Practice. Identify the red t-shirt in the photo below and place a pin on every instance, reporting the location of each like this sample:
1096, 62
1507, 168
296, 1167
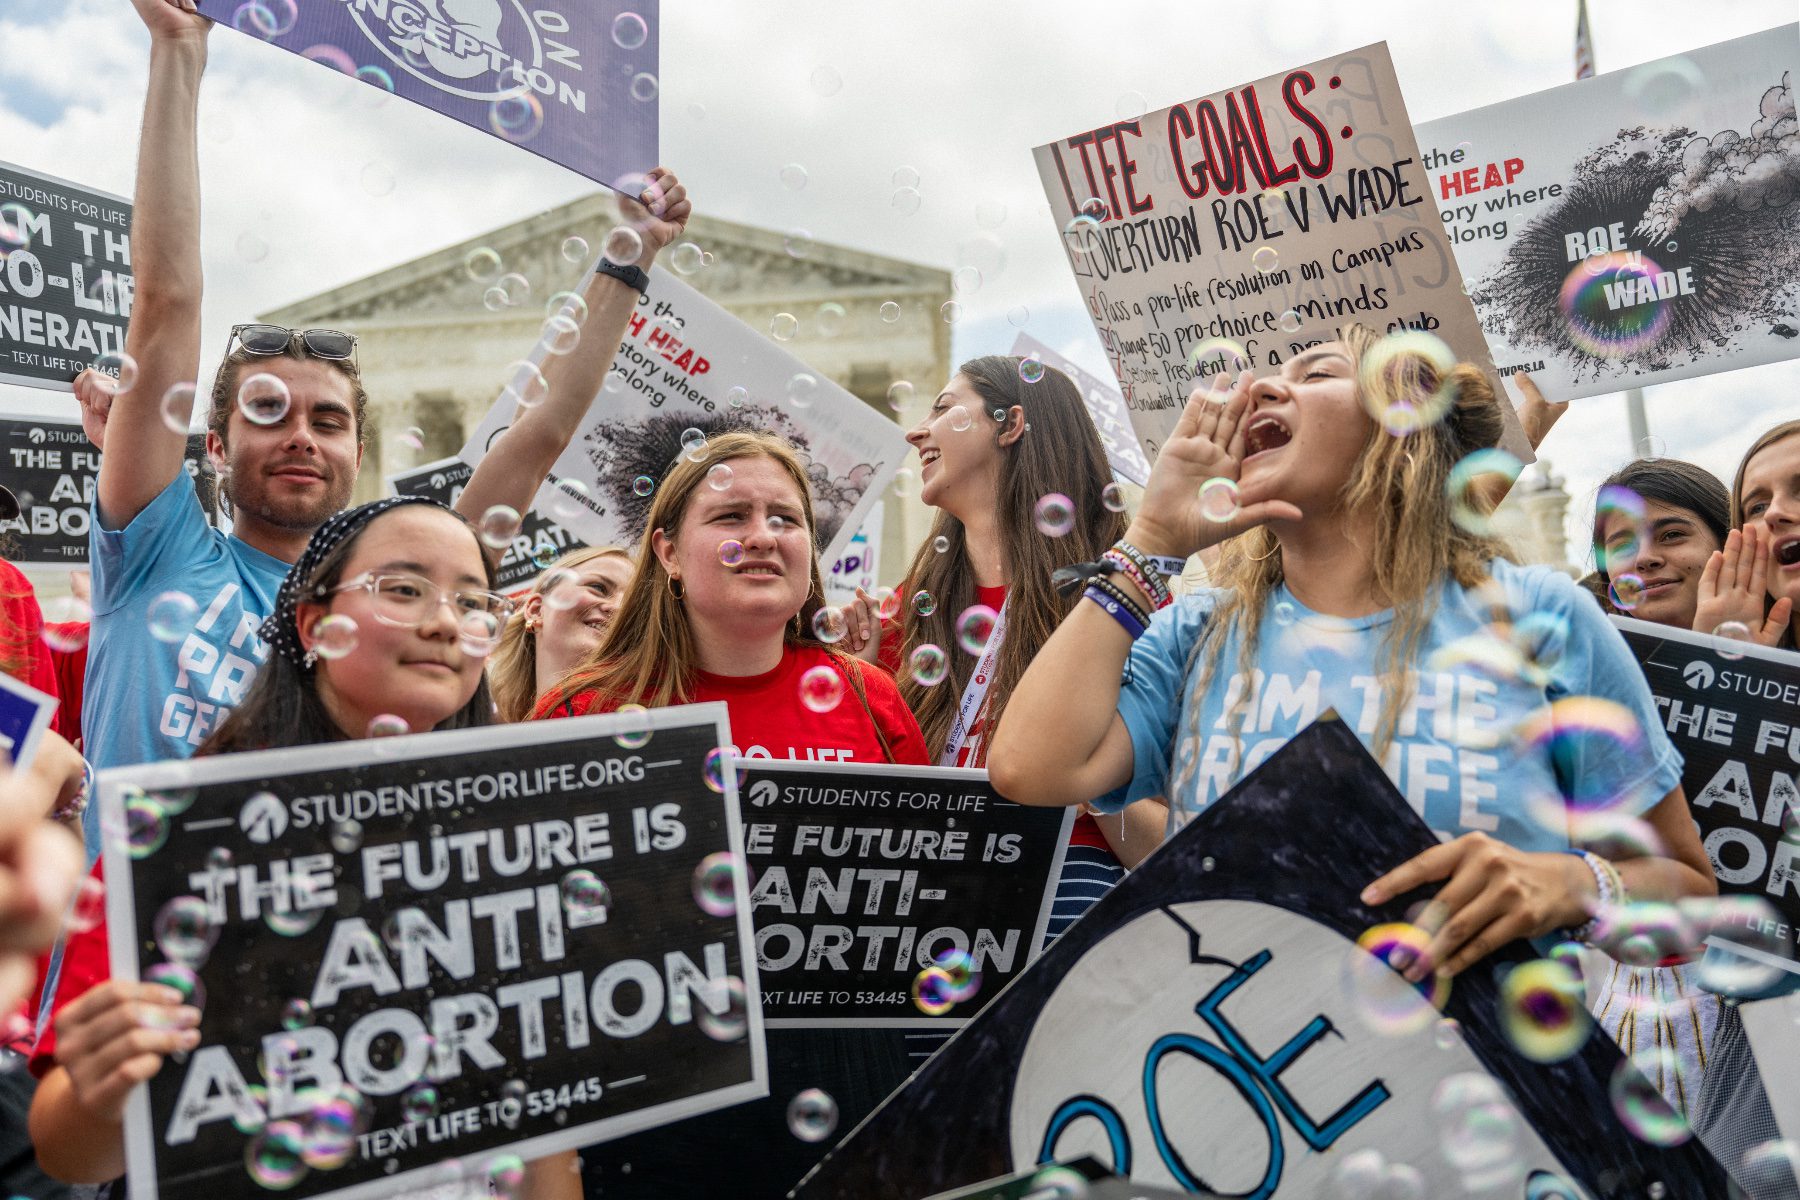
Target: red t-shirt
769, 720
84, 966
975, 743
22, 633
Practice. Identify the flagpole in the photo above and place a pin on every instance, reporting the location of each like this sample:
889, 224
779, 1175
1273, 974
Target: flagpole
1636, 419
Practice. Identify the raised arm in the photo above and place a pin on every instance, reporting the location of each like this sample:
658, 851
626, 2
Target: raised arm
1061, 740
520, 461
164, 335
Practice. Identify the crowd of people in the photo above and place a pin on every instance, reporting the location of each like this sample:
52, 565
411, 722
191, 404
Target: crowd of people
1346, 571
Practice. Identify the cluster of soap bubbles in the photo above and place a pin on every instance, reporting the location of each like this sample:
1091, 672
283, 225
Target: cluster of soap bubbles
1599, 326
905, 200
1384, 1000
951, 979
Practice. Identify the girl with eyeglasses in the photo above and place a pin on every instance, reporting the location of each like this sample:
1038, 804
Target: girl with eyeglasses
382, 627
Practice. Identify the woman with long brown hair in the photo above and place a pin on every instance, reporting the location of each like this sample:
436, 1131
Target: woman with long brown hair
1011, 461
1765, 517
721, 607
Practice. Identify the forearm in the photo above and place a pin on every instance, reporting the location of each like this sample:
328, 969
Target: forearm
1665, 879
163, 337
520, 461
1058, 717
1136, 831
73, 1144
557, 1177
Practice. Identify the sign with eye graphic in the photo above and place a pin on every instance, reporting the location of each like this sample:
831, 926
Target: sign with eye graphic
1195, 1030
1636, 227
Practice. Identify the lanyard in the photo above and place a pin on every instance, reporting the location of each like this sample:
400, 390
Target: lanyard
975, 693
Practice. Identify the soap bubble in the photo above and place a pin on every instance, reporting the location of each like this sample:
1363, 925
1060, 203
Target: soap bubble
931, 992
264, 399
718, 477
923, 603
115, 372
1637, 1097
1288, 322
1054, 515
783, 326
347, 835
716, 882
960, 418
483, 264
386, 725
623, 246
184, 931
1112, 498
687, 259
499, 525
1031, 369
974, 627
1017, 316
1385, 1001
941, 544
830, 625
561, 334
146, 825
420, 1102
583, 893
182, 978
1219, 499
477, 633
526, 385
1543, 1010
793, 177
296, 1014
724, 1011
516, 118
575, 250
821, 688
900, 394
1266, 259
731, 553
1475, 485
1391, 381
1729, 633
178, 407
803, 389
1626, 590
635, 732
1478, 1131
966, 280
829, 320
172, 616
629, 31
274, 1156
798, 243
890, 312
906, 201
929, 665
642, 486
812, 1115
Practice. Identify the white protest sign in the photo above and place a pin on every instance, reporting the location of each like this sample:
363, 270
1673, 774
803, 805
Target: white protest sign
1636, 227
859, 566
1104, 404
685, 363
1240, 229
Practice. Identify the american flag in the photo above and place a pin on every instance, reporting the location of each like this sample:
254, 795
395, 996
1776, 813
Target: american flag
1584, 43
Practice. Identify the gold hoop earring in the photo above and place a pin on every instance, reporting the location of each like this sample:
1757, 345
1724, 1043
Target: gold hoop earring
675, 587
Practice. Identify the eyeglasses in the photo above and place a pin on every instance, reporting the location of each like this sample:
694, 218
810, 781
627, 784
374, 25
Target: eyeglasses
408, 601
275, 339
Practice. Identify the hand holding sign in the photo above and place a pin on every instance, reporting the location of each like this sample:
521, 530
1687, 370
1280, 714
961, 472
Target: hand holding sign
660, 214
1733, 588
173, 19
40, 866
1193, 500
116, 1036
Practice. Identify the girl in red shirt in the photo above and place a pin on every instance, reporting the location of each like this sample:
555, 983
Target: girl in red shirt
722, 607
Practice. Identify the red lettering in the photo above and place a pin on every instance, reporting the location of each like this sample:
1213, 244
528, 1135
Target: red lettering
1293, 88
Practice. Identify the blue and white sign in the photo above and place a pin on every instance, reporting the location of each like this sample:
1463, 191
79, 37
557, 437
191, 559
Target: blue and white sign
24, 714
574, 81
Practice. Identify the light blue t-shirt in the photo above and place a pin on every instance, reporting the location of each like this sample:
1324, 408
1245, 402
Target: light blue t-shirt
149, 700
1475, 749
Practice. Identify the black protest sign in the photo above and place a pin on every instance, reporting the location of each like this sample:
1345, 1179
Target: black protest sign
1194, 1029
54, 470
868, 885
863, 878
539, 542
1733, 710
436, 948
65, 278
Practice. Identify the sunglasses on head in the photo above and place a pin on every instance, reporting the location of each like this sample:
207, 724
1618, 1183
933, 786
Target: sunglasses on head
275, 339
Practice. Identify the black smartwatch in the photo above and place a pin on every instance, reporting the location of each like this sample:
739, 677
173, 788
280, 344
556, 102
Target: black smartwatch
632, 277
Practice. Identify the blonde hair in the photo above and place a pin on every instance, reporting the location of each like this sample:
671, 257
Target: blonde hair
1401, 479
512, 668
648, 656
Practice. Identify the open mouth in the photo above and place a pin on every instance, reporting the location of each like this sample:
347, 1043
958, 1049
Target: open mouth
1265, 433
1787, 553
927, 457
764, 569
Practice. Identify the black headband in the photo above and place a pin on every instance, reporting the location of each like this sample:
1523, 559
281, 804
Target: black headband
282, 628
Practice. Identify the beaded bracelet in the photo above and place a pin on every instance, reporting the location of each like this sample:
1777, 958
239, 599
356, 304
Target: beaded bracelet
1147, 566
1156, 592
1125, 597
1611, 890
1127, 619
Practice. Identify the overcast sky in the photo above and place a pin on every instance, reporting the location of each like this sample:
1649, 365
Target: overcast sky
958, 91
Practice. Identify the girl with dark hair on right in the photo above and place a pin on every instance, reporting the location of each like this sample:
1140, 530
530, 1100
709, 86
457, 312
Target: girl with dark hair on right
1011, 461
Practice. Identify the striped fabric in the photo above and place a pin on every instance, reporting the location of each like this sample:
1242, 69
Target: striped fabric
1088, 873
1645, 1007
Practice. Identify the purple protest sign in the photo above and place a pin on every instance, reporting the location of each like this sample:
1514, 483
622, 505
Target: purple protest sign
574, 81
